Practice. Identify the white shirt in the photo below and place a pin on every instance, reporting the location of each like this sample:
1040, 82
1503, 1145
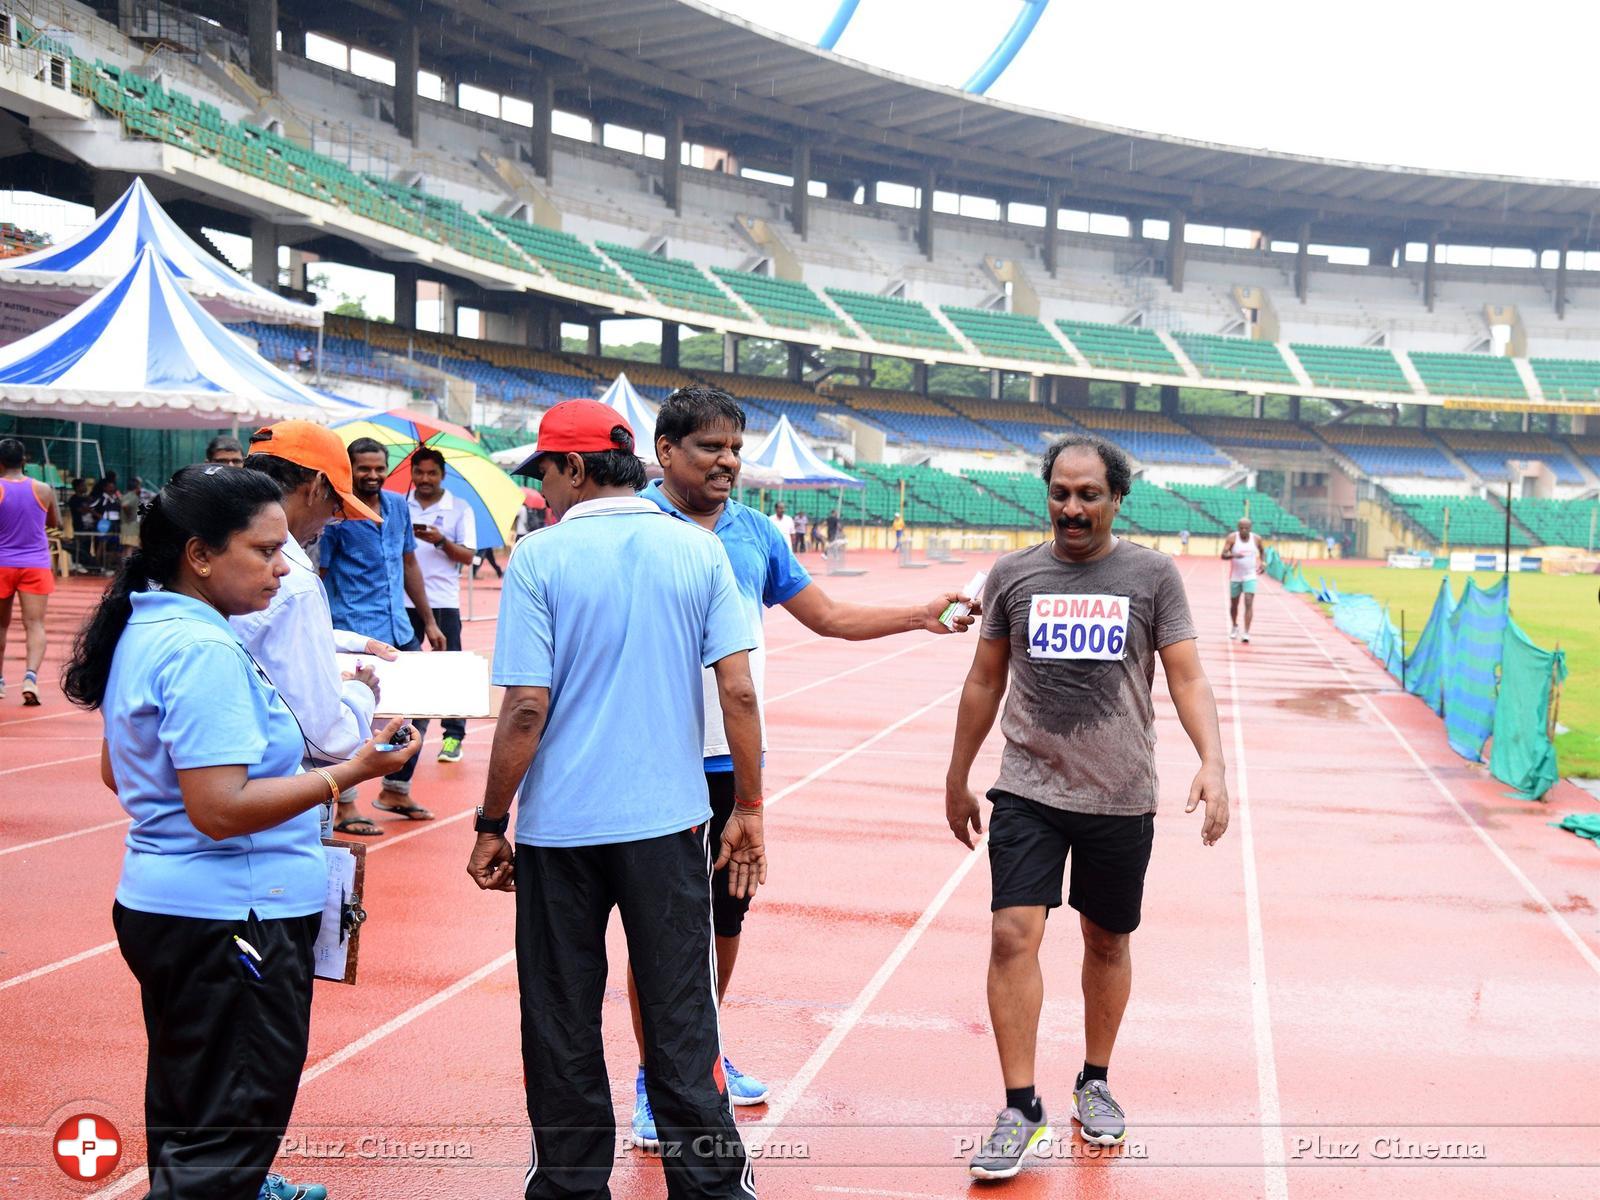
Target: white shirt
441, 577
293, 639
785, 523
1246, 559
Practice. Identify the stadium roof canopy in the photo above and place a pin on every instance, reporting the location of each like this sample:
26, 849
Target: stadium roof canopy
760, 94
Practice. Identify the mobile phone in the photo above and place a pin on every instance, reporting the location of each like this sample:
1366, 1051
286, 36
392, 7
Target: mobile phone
420, 528
402, 739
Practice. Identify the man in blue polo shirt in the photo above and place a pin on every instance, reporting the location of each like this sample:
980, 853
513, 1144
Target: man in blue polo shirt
370, 571
607, 620
699, 436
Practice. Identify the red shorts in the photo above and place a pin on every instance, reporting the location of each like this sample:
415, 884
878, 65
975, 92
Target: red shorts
33, 581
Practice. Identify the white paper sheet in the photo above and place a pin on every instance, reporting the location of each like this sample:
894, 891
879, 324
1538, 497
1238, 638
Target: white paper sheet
428, 683
332, 950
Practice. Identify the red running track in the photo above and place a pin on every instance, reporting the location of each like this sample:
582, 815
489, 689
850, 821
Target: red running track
1386, 955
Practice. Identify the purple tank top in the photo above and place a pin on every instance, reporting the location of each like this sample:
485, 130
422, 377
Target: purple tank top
22, 540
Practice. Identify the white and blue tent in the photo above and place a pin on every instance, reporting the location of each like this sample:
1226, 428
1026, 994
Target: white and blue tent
641, 418
37, 288
142, 352
783, 456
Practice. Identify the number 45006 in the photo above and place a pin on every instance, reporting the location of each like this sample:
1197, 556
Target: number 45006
1077, 637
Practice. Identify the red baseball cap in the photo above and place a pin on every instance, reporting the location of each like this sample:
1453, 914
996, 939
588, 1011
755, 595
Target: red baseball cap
576, 427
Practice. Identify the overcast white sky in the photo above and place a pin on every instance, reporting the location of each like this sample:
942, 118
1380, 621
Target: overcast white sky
1501, 89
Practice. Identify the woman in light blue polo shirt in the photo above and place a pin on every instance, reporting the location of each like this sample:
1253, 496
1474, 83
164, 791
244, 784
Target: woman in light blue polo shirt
222, 884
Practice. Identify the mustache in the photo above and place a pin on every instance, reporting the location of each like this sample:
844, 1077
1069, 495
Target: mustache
1074, 523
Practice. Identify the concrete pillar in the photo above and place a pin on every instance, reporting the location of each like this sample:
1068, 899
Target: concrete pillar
1427, 271
730, 353
1527, 422
1130, 397
542, 326
1561, 280
1052, 215
1176, 222
672, 168
669, 344
264, 252
540, 150
593, 346
797, 363
1422, 416
405, 297
997, 384
106, 188
407, 62
1294, 408
299, 260
294, 36
1072, 391
1302, 264
925, 215
919, 378
799, 193
1169, 399
261, 32
1257, 404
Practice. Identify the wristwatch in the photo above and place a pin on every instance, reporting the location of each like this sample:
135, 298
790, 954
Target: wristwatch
494, 825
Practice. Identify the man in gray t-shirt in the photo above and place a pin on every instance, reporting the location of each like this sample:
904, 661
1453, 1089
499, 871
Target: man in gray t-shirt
1075, 626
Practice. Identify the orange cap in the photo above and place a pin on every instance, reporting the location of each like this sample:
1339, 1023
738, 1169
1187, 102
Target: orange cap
317, 448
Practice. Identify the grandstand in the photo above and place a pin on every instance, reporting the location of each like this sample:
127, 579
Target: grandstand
539, 232
1462, 520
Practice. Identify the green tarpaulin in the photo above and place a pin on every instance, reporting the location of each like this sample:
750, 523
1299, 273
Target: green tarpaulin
1522, 753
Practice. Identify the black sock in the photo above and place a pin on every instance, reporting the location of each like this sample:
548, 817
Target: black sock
1090, 1071
1023, 1098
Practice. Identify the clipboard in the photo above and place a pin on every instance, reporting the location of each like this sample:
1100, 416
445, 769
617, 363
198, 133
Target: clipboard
433, 683
338, 946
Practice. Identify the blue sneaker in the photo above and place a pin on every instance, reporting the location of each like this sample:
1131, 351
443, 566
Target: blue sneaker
276, 1187
643, 1134
743, 1089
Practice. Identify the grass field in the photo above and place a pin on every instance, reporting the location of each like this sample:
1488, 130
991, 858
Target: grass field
1551, 609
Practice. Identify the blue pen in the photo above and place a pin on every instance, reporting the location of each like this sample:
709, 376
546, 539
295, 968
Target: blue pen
250, 966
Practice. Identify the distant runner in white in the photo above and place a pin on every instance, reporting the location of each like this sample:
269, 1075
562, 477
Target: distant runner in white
1246, 553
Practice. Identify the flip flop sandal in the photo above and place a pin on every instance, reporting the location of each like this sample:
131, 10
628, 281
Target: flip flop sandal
358, 827
411, 812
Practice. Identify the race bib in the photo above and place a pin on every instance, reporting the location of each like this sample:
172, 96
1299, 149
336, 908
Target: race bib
1074, 626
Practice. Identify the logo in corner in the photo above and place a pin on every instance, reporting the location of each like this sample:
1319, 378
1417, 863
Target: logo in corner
87, 1147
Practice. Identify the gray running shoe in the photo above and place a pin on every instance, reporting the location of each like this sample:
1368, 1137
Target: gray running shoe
1002, 1152
1100, 1118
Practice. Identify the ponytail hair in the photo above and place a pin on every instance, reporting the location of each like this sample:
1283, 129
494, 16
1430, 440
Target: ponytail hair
211, 503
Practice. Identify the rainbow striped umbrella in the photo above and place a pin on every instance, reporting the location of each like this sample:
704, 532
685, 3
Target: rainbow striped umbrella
469, 474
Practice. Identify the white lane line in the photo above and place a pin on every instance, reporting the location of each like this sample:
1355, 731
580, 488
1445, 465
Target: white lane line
394, 1024
61, 837
427, 827
826, 679
56, 762
886, 731
757, 1135
56, 966
70, 712
1504, 859
1277, 1179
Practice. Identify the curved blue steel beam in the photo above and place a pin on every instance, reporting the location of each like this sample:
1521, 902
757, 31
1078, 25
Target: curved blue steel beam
841, 18
1013, 41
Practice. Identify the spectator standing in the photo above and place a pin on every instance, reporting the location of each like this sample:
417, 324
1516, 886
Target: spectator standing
135, 498
224, 879
833, 527
784, 522
80, 507
27, 509
445, 534
801, 522
107, 511
607, 621
371, 571
226, 450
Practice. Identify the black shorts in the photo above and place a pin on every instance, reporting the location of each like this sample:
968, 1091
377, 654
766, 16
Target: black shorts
727, 913
1028, 850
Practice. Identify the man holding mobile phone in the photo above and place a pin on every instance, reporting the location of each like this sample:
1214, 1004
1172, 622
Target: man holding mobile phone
445, 533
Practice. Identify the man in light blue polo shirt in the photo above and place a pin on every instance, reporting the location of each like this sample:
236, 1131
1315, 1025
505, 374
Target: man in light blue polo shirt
371, 572
699, 436
607, 620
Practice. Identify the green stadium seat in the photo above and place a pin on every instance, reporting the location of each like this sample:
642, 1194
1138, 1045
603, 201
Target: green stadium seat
890, 319
1006, 334
1120, 347
1217, 357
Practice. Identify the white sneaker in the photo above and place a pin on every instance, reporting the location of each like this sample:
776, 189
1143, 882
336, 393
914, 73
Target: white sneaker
1233, 634
1247, 636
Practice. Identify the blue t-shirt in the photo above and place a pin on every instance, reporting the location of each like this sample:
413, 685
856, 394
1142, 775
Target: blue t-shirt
366, 572
767, 573
184, 694
617, 610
